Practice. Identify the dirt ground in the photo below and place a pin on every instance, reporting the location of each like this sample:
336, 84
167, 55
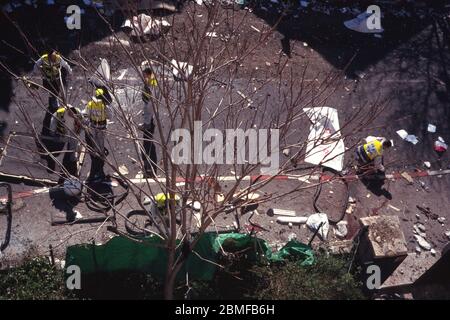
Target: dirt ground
406, 66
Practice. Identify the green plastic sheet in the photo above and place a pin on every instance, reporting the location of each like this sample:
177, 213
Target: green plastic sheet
150, 255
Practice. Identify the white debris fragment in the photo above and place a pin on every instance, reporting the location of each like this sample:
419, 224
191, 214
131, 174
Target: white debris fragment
422, 242
441, 219
341, 229
412, 138
431, 128
212, 34
286, 152
418, 249
123, 170
122, 74
77, 214
292, 220
256, 29
143, 24
427, 164
292, 236
402, 133
433, 252
315, 220
181, 70
447, 234
304, 4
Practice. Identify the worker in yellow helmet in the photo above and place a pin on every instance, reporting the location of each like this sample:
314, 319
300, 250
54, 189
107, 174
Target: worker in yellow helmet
65, 127
53, 69
370, 154
148, 127
159, 204
96, 115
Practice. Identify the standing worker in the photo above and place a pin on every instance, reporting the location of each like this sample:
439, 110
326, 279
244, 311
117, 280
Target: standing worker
370, 154
148, 127
96, 115
52, 67
65, 127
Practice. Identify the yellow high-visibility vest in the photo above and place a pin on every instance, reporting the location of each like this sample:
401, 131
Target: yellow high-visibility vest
51, 70
373, 149
97, 112
60, 125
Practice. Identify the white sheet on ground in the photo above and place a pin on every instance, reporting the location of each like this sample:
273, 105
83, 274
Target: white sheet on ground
325, 146
102, 75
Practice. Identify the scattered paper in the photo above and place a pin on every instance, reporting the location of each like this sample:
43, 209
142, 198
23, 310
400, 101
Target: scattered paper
402, 133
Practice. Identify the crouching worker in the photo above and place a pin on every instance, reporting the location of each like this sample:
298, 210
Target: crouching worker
160, 205
65, 127
370, 154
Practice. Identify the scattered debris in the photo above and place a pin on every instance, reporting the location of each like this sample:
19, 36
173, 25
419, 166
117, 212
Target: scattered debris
211, 34
143, 24
447, 234
427, 164
407, 137
281, 212
441, 220
315, 220
256, 29
422, 242
341, 229
433, 252
123, 170
427, 212
292, 236
395, 208
296, 220
431, 128
407, 177
286, 152
181, 70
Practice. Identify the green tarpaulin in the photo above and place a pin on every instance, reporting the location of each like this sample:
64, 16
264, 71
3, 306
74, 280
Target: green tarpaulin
150, 256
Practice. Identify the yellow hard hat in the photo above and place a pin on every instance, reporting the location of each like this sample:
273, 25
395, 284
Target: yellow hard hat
99, 92
161, 199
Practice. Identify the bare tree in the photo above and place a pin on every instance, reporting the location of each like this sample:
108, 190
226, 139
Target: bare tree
200, 64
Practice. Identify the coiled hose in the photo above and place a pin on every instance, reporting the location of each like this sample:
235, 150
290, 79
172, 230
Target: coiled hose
319, 190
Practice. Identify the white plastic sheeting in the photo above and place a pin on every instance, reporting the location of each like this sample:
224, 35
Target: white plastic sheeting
315, 220
325, 146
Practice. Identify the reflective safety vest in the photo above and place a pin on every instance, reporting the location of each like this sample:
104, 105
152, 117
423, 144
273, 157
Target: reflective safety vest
96, 110
150, 82
373, 149
60, 124
51, 69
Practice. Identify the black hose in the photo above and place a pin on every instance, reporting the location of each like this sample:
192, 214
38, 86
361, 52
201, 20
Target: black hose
319, 190
106, 201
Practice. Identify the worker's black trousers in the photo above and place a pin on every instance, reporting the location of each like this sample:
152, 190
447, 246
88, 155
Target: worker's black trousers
54, 87
97, 157
55, 147
149, 155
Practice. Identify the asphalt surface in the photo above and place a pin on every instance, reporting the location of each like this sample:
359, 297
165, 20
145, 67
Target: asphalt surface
406, 69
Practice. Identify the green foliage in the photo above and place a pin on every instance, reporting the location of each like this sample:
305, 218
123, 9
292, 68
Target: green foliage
36, 279
327, 279
239, 279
